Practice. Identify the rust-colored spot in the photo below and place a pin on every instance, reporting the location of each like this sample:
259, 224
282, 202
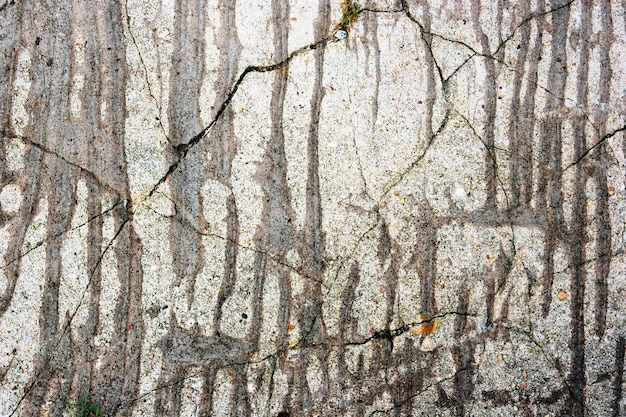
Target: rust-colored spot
130, 326
562, 295
36, 104
427, 327
523, 385
291, 326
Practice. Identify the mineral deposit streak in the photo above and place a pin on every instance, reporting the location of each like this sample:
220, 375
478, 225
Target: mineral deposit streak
424, 217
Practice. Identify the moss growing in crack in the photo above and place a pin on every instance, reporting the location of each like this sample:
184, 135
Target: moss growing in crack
85, 408
350, 13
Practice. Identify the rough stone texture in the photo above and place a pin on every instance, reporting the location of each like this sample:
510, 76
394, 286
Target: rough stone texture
221, 208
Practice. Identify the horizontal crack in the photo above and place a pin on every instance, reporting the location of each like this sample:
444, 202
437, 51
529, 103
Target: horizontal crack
390, 334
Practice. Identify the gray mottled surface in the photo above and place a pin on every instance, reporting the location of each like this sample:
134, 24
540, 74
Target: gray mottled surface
221, 208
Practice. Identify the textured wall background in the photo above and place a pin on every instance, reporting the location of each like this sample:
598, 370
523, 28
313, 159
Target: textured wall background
219, 208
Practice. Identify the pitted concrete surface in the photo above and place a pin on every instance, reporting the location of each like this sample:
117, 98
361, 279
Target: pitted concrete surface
230, 208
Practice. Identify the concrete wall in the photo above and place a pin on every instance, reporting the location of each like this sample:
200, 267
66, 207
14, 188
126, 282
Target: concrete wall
226, 208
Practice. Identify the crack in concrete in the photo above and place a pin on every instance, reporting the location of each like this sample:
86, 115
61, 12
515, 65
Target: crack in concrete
42, 242
595, 145
145, 72
276, 260
384, 334
182, 149
69, 318
11, 135
390, 334
420, 392
329, 343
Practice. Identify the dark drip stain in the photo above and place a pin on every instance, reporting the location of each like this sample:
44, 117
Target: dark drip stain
186, 74
354, 370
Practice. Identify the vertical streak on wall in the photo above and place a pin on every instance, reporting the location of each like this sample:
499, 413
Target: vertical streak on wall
347, 331
431, 84
526, 135
490, 109
424, 257
602, 212
17, 28
313, 247
518, 171
119, 382
223, 146
463, 354
274, 236
370, 25
9, 35
549, 198
550, 195
88, 122
184, 121
620, 351
390, 274
623, 135
85, 366
575, 403
48, 127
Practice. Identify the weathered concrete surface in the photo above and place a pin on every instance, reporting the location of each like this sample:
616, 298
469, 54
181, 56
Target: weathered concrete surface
219, 208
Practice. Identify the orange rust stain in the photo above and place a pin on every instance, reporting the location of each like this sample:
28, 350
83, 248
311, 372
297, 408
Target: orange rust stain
427, 327
290, 327
36, 104
562, 295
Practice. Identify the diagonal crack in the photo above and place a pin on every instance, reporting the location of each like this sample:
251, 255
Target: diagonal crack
182, 149
11, 135
40, 243
185, 222
69, 319
417, 394
145, 72
595, 145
